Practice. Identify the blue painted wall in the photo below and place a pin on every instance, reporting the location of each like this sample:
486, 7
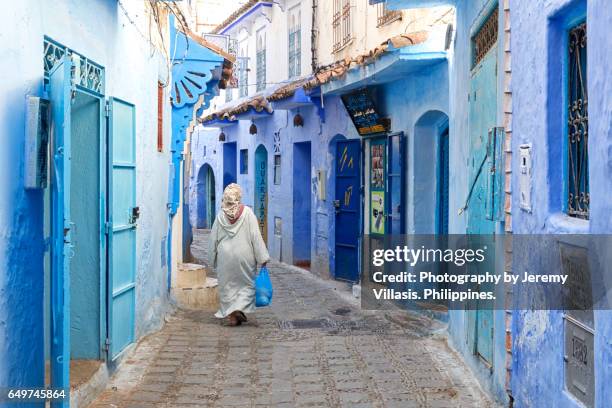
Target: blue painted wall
538, 368
99, 30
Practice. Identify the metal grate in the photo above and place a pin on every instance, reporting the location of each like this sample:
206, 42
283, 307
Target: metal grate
243, 75
578, 124
341, 24
385, 16
295, 53
485, 38
89, 74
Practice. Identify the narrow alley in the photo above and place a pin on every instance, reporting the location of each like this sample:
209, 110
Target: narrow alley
312, 348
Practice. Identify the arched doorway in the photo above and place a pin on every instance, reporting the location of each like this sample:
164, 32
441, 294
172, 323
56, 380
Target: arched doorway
206, 197
431, 174
261, 190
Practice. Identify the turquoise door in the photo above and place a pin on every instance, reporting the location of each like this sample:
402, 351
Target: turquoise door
121, 227
483, 115
60, 91
261, 190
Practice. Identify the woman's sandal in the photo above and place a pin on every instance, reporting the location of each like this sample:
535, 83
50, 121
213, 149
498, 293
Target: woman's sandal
233, 320
241, 317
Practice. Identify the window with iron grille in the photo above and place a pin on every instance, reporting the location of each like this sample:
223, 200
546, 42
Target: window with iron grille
243, 75
577, 178
277, 169
385, 16
341, 24
295, 42
261, 61
485, 38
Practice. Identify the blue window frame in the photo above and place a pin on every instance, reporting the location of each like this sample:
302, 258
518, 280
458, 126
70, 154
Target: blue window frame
244, 161
577, 173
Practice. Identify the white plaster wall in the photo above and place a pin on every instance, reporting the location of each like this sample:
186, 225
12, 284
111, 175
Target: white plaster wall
366, 34
274, 22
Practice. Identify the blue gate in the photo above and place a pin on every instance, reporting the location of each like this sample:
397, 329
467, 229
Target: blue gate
121, 226
346, 203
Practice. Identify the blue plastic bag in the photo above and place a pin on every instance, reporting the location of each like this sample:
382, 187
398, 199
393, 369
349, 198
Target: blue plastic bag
263, 288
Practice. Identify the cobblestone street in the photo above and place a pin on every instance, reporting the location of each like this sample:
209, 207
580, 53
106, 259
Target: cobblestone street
312, 348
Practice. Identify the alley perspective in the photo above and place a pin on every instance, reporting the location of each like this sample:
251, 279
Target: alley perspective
306, 203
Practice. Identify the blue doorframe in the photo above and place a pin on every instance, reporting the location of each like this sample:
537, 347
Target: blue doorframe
60, 91
206, 201
347, 204
261, 190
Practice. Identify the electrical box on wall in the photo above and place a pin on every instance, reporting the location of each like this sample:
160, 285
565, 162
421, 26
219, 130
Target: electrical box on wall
36, 143
525, 177
321, 184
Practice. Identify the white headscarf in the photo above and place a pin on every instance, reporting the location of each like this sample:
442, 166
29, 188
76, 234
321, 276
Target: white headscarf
232, 200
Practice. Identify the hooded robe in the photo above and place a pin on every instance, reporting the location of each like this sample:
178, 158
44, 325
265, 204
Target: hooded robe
235, 251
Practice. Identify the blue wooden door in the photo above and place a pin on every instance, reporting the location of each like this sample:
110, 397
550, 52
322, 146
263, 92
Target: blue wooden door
121, 227
346, 204
483, 115
60, 91
443, 177
261, 190
396, 184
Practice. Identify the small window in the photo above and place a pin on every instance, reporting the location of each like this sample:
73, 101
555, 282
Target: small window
277, 169
160, 116
295, 42
261, 61
244, 161
577, 177
341, 24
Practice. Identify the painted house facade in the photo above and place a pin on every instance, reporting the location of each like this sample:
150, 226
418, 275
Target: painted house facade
532, 75
292, 144
86, 83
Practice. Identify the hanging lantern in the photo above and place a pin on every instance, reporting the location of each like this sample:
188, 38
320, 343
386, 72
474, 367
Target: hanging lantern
253, 129
222, 137
298, 120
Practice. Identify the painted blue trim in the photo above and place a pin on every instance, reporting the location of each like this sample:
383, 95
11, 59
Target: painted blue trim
245, 15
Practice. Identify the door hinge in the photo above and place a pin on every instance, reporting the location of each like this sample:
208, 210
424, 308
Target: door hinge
107, 109
108, 227
107, 344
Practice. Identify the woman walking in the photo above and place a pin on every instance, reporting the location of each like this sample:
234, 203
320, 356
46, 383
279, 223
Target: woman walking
236, 248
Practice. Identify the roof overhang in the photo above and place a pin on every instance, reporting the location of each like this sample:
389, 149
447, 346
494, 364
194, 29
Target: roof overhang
249, 15
298, 100
395, 64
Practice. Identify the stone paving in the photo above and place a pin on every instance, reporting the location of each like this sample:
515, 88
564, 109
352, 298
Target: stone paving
313, 347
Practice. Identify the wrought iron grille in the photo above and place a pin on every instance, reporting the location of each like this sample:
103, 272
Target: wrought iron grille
261, 70
341, 24
485, 38
243, 75
295, 52
386, 16
89, 74
261, 62
578, 124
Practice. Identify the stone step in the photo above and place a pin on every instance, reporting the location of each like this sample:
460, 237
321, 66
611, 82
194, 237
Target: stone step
191, 275
199, 296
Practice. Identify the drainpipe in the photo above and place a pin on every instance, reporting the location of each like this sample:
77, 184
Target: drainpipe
314, 37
